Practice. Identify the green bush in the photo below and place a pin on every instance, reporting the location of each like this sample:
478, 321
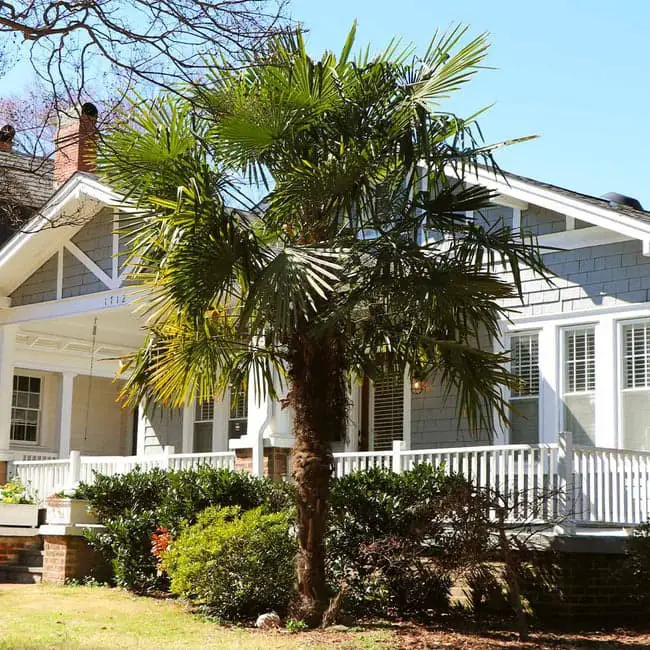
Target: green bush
133, 506
234, 564
15, 492
395, 540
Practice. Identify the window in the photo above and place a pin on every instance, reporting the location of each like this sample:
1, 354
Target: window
203, 425
524, 427
25, 409
579, 384
238, 415
388, 412
635, 393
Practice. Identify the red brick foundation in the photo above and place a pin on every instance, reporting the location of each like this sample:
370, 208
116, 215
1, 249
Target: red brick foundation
276, 461
68, 556
4, 468
10, 547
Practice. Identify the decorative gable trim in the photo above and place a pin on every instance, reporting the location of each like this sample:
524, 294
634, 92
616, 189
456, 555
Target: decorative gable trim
602, 217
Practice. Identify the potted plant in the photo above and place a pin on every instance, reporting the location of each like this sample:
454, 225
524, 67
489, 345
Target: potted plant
17, 507
67, 509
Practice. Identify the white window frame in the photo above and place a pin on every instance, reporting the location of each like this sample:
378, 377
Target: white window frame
622, 324
562, 370
19, 372
507, 394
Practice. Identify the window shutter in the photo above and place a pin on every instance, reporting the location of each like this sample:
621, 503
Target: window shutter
388, 412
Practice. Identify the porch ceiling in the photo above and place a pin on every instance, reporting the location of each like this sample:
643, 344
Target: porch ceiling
119, 332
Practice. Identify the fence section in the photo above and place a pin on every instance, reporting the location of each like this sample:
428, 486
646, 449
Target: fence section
47, 477
533, 483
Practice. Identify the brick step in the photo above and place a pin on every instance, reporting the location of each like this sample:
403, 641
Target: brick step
20, 574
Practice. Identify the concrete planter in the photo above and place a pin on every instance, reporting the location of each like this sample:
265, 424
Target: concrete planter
18, 514
62, 511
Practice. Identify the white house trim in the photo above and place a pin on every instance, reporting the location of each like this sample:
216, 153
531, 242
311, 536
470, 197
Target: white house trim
581, 238
115, 299
515, 188
91, 266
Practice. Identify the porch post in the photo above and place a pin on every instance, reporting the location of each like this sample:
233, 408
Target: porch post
259, 415
7, 352
188, 429
65, 413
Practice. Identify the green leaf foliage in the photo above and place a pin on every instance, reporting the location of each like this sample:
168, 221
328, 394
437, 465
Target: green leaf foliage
361, 235
134, 505
233, 564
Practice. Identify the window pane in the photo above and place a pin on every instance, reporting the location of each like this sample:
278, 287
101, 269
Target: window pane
524, 422
524, 414
635, 353
204, 412
525, 364
203, 437
636, 420
26, 404
580, 418
580, 384
237, 428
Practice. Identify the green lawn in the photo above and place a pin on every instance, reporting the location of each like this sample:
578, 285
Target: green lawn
94, 618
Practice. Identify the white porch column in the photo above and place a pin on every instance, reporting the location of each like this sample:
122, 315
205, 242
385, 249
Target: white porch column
65, 413
549, 388
7, 351
259, 416
220, 422
354, 418
188, 429
606, 383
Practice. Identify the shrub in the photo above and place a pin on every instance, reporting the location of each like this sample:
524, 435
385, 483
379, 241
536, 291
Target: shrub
234, 564
133, 506
15, 492
395, 540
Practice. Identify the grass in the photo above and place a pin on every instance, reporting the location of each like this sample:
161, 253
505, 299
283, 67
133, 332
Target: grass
98, 618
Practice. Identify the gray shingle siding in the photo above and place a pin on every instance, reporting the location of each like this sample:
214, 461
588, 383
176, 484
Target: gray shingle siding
96, 240
539, 221
77, 279
434, 422
39, 287
610, 274
488, 217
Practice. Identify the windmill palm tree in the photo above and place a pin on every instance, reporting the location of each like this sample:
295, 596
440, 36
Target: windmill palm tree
359, 261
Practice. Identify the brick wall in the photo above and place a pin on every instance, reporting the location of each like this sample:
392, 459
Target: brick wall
10, 547
277, 462
68, 556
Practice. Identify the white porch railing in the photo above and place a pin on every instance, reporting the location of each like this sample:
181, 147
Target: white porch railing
537, 483
47, 477
556, 483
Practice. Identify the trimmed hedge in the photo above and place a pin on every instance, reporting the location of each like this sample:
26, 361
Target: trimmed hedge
234, 564
135, 505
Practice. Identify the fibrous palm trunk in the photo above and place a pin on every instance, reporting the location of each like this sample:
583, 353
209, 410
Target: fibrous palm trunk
319, 398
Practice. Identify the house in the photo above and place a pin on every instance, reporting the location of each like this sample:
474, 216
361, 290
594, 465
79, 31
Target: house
581, 344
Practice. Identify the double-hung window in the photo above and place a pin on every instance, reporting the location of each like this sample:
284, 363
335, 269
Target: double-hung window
579, 384
26, 408
203, 426
238, 415
635, 389
524, 400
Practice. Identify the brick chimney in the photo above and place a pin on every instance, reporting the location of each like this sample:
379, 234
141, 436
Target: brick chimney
7, 133
75, 144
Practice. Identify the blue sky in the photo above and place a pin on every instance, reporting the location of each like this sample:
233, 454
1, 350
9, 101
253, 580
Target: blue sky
575, 72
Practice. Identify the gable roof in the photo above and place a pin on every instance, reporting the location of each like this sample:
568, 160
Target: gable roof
73, 204
623, 220
27, 180
596, 201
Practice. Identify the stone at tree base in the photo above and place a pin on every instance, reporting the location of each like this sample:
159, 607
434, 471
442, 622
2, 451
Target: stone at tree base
268, 621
